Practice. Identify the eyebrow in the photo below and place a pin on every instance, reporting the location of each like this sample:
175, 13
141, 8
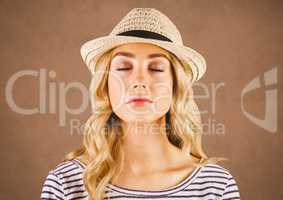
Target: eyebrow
130, 55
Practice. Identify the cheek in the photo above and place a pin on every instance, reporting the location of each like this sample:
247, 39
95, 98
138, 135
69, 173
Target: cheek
163, 86
116, 90
162, 93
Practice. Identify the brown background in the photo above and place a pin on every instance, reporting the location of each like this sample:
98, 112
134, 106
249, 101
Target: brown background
239, 39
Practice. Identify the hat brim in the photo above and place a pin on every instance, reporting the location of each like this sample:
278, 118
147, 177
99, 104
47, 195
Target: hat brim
93, 49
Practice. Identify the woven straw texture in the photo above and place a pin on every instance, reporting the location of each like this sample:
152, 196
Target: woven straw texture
148, 19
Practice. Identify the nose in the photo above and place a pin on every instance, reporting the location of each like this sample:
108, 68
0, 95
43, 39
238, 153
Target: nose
139, 85
139, 79
139, 88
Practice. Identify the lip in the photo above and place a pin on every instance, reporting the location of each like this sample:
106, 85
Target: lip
140, 100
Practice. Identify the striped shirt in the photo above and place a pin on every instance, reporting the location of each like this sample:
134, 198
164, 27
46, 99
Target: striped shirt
209, 182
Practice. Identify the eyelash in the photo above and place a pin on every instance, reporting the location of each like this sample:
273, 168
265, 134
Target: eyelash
157, 70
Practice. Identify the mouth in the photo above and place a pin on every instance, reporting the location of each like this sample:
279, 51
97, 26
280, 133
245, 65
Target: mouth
140, 100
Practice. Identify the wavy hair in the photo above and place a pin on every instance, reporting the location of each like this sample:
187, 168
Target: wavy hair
101, 150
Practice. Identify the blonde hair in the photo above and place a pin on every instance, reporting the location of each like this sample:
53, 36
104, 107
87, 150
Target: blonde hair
101, 149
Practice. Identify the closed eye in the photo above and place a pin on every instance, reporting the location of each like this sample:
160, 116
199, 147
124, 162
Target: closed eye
123, 69
158, 70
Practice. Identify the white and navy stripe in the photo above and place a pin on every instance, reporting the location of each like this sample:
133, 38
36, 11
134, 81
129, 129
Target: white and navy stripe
210, 182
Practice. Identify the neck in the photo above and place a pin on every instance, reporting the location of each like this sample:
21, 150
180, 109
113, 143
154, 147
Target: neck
147, 148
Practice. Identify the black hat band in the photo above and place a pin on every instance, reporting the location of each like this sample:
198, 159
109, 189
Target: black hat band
145, 34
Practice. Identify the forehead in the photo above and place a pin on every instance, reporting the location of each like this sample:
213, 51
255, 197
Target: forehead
140, 49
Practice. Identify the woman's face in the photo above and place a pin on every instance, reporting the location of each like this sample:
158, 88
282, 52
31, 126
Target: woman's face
140, 70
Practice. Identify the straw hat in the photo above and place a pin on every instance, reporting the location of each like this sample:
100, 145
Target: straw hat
146, 25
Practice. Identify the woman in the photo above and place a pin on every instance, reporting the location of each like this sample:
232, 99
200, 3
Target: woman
143, 139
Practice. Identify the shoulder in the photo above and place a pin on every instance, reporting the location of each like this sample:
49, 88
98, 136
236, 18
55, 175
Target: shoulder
214, 174
65, 179
66, 168
216, 171
215, 168
220, 178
